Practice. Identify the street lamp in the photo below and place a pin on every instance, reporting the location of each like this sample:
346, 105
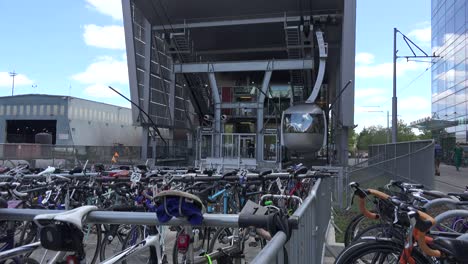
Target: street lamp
12, 75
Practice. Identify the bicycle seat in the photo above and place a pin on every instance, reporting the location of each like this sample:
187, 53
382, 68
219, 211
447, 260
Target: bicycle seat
187, 195
180, 205
455, 248
461, 196
74, 217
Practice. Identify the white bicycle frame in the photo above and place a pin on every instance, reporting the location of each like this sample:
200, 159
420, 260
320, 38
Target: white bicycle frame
150, 241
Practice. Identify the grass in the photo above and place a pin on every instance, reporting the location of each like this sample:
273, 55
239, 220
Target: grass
343, 217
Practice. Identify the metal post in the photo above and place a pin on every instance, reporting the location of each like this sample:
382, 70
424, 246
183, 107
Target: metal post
217, 113
261, 100
388, 127
394, 98
144, 143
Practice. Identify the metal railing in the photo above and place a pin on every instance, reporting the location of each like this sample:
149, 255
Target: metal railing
411, 161
306, 244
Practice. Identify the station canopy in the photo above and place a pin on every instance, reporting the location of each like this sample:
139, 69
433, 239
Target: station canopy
430, 123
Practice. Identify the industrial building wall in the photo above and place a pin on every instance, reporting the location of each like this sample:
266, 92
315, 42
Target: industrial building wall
97, 124
35, 107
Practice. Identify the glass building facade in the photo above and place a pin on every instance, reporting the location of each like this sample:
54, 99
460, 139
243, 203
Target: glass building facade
450, 71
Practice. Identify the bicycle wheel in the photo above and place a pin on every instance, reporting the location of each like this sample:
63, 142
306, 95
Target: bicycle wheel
135, 236
92, 242
382, 231
113, 240
25, 233
221, 238
357, 224
377, 251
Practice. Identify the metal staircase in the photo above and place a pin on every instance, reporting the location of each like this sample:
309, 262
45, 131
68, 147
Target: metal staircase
181, 46
295, 51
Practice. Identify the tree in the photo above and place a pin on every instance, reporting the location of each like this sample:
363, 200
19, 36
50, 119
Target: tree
378, 135
426, 134
405, 133
352, 138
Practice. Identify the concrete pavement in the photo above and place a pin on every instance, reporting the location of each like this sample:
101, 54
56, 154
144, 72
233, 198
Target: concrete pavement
451, 180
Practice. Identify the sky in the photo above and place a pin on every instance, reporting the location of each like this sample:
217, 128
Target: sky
77, 48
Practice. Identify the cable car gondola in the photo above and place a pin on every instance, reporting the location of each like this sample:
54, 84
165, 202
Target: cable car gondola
303, 128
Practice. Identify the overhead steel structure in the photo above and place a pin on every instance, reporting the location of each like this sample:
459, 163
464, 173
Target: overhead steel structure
192, 64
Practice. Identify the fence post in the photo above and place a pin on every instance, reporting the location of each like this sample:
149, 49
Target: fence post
410, 155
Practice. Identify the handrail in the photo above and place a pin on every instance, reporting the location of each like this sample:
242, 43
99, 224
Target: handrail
269, 252
129, 218
305, 204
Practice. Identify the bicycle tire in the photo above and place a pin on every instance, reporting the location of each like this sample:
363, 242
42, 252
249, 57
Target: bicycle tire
137, 234
382, 231
373, 248
220, 232
354, 227
89, 242
112, 245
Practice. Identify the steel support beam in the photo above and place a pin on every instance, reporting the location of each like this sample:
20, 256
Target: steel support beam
235, 51
172, 88
239, 105
131, 60
146, 90
261, 103
270, 65
144, 143
223, 23
217, 113
238, 22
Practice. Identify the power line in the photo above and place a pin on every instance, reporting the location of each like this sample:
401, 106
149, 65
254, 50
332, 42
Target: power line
412, 81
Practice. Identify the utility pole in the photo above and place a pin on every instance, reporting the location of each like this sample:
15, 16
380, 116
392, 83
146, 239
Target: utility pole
388, 128
409, 43
13, 74
394, 98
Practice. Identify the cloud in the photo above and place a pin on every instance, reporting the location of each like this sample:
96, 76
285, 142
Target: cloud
421, 36
20, 79
100, 91
450, 40
105, 70
109, 37
364, 58
385, 70
414, 104
111, 8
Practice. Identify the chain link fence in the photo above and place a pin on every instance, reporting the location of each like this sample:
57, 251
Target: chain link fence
40, 155
411, 161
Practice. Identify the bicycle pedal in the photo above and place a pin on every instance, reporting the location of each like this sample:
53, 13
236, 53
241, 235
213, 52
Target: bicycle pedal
253, 244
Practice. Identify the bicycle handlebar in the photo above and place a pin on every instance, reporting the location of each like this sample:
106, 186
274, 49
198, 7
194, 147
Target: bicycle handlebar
424, 222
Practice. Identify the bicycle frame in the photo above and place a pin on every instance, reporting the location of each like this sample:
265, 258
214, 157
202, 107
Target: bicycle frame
14, 252
150, 241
